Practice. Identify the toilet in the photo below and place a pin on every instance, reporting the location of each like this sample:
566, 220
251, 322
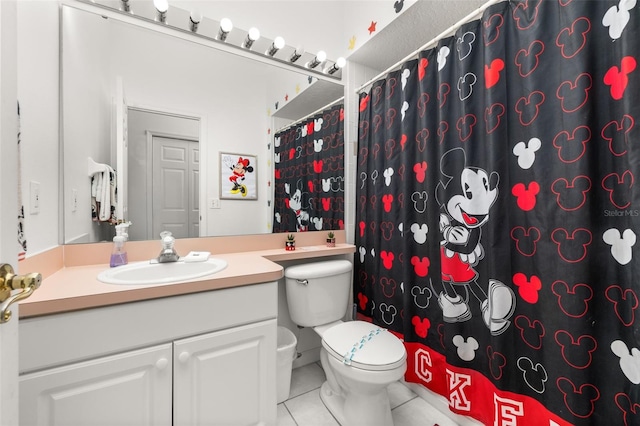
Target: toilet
360, 359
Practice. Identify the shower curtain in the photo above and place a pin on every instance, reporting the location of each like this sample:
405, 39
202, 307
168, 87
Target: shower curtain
309, 174
497, 214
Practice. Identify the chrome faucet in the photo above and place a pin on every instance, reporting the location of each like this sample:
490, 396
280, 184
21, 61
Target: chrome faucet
168, 253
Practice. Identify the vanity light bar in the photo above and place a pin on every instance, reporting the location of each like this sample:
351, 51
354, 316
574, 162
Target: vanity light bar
196, 25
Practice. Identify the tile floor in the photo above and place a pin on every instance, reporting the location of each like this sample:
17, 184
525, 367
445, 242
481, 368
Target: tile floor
304, 407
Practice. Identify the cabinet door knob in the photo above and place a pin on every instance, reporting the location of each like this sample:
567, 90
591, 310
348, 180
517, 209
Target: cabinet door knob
184, 357
162, 363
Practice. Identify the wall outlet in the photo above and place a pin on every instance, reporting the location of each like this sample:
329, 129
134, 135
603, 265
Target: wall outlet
214, 203
34, 197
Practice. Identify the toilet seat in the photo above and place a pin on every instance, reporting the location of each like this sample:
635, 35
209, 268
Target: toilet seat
364, 345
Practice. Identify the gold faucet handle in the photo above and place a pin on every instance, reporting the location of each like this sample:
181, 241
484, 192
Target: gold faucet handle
9, 281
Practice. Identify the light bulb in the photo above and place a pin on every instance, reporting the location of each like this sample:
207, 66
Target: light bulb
297, 54
340, 63
254, 34
194, 20
225, 28
321, 56
161, 7
278, 43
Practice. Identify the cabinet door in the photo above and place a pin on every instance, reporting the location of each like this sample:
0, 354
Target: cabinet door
226, 378
132, 388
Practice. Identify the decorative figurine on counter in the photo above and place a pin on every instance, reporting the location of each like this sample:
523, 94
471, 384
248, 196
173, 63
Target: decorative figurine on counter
290, 244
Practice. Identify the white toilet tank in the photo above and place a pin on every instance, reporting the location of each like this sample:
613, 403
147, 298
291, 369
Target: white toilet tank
318, 293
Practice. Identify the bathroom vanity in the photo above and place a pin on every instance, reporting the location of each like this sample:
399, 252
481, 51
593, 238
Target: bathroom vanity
201, 358
197, 352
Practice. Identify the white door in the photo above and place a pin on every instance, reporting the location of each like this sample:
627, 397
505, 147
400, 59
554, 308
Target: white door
175, 200
8, 205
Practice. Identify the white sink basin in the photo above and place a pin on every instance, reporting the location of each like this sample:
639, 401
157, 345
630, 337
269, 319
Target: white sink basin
160, 273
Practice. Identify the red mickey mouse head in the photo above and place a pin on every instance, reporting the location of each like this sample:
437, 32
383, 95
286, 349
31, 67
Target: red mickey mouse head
618, 78
531, 332
619, 188
362, 301
577, 352
465, 126
387, 200
493, 116
574, 94
388, 286
387, 259
497, 362
492, 73
443, 127
492, 27
570, 196
617, 134
572, 40
571, 147
422, 68
420, 265
527, 60
528, 107
526, 239
420, 169
526, 196
528, 288
573, 301
364, 102
572, 247
421, 326
625, 302
526, 13
580, 401
443, 93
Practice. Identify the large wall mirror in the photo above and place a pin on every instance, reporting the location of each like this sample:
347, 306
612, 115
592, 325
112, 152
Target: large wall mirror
162, 96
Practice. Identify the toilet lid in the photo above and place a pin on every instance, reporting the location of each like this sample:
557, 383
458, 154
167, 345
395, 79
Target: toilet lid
364, 345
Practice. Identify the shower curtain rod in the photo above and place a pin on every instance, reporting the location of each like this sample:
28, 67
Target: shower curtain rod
300, 120
451, 30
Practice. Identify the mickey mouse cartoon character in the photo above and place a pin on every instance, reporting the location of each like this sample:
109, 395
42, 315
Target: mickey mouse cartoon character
294, 202
239, 169
465, 195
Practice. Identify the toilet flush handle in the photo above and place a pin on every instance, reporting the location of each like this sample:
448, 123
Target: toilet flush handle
303, 282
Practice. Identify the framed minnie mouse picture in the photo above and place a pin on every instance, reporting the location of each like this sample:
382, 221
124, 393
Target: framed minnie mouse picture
238, 176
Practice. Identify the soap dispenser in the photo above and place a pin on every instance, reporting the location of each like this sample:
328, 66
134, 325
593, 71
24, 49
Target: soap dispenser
119, 253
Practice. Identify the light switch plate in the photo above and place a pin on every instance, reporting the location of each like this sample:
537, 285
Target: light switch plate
214, 203
34, 197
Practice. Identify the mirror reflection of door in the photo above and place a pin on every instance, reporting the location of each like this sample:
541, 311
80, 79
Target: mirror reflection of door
174, 186
163, 171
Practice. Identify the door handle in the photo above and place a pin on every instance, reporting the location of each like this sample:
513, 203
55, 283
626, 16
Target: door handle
9, 281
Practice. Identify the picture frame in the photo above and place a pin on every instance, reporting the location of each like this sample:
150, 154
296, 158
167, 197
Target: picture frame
238, 176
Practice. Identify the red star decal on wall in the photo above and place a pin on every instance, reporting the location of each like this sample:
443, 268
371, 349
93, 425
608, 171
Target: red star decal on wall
372, 27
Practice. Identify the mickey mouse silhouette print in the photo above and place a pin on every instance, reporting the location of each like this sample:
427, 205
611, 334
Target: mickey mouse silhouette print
465, 195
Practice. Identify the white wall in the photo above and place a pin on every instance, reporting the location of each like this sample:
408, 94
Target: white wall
38, 97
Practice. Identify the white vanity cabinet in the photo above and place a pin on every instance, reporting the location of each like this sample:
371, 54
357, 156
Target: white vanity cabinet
202, 358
